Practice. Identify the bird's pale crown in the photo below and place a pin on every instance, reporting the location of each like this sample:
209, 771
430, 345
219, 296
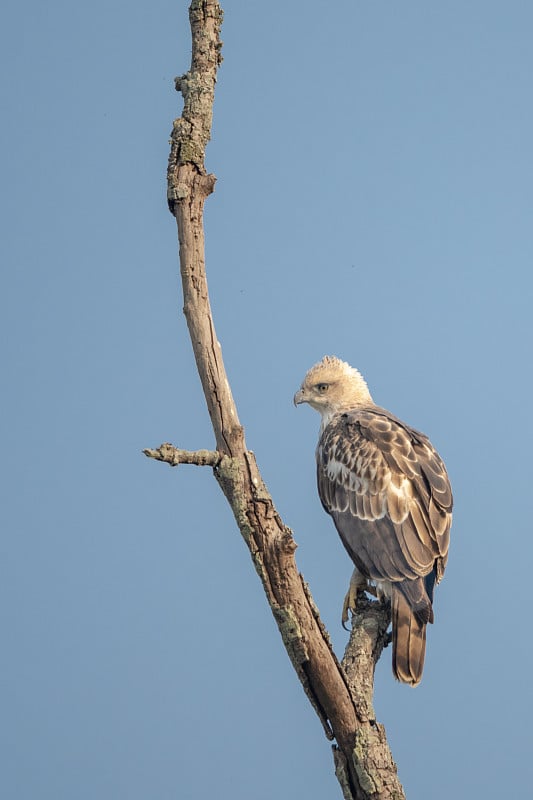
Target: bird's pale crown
333, 386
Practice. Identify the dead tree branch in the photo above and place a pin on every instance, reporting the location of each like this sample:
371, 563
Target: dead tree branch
341, 696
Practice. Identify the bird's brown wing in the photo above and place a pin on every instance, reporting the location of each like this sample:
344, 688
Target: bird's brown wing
387, 490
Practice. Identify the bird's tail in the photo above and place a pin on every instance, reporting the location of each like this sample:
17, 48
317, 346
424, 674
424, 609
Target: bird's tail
408, 637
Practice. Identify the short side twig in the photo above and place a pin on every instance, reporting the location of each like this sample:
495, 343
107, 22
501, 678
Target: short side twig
172, 455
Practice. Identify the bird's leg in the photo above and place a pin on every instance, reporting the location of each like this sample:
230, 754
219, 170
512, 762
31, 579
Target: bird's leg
358, 583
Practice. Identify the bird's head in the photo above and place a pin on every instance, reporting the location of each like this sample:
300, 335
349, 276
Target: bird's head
333, 386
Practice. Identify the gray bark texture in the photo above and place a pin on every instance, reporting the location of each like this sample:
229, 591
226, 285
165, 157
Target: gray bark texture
341, 694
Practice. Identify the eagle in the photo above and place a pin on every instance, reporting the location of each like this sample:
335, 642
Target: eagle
388, 492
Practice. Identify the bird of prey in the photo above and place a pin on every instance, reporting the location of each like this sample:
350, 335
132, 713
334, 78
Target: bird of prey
389, 495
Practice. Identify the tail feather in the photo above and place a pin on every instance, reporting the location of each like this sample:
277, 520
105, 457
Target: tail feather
408, 640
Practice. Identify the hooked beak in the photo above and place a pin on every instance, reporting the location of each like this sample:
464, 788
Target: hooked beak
299, 397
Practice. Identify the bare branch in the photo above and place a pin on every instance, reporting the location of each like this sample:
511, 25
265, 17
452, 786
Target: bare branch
188, 187
368, 637
341, 697
171, 455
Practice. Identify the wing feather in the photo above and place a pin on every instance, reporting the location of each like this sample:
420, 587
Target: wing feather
388, 492
389, 495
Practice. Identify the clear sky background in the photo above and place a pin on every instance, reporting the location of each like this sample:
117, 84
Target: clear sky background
374, 201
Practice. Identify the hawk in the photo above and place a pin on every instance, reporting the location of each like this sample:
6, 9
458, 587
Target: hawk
388, 492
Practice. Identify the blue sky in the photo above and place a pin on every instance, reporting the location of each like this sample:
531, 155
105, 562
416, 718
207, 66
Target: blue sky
374, 201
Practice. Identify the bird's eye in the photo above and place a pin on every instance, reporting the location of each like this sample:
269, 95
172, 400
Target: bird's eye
322, 387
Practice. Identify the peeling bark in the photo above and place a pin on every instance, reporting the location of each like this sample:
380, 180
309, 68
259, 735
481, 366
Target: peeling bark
340, 694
